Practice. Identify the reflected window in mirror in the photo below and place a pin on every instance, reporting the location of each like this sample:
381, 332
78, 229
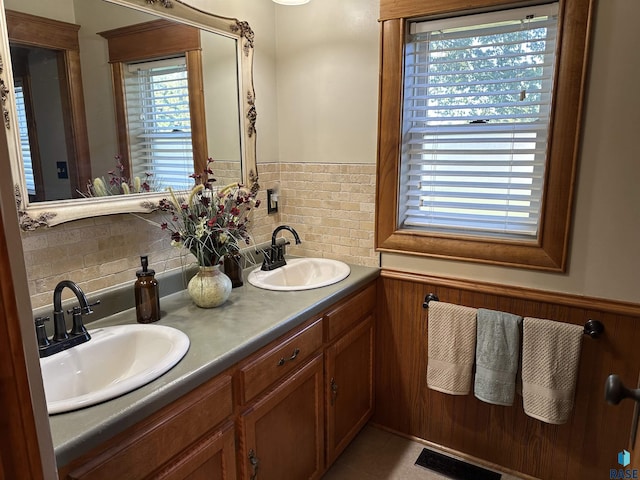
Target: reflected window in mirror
159, 101
159, 122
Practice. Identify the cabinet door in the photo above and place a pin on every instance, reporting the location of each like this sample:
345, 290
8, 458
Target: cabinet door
349, 383
282, 434
212, 458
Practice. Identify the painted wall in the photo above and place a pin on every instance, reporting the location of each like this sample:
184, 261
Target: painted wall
220, 67
61, 10
327, 73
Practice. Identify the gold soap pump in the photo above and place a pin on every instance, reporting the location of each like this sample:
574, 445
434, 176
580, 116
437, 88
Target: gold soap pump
146, 293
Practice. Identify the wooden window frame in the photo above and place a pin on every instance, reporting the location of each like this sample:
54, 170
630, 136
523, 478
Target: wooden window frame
550, 250
150, 41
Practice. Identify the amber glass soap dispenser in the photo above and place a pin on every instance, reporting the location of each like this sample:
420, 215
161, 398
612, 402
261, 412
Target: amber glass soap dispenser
146, 292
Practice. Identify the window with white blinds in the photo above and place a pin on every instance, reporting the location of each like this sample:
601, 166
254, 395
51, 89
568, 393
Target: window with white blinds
476, 112
159, 122
24, 139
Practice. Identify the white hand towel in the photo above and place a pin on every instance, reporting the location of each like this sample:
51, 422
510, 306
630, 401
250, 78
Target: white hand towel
550, 359
451, 343
497, 355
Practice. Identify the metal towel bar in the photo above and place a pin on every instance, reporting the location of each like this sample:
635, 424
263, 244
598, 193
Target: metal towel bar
593, 328
428, 298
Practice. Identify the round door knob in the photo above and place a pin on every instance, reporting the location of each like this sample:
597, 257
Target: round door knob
615, 391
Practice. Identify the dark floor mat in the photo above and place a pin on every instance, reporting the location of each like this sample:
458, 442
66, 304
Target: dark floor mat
454, 468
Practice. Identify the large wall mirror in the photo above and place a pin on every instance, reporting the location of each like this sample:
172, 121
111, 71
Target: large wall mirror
134, 93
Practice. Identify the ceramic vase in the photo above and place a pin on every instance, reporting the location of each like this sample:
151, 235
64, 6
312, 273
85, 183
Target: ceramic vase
210, 287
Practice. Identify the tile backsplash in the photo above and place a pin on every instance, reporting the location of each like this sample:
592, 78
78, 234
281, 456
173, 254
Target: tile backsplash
96, 253
330, 205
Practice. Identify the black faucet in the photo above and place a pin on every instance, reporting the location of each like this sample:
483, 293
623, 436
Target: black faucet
274, 256
63, 339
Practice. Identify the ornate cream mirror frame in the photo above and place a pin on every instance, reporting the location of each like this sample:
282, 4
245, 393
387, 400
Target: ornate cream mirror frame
46, 214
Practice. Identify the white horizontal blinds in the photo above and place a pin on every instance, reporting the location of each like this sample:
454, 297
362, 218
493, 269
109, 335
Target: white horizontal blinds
24, 139
476, 112
157, 100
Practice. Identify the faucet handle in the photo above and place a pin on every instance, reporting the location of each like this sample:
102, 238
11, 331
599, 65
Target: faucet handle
41, 332
280, 251
78, 327
87, 310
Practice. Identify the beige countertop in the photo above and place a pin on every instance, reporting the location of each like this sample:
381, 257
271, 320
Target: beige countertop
220, 337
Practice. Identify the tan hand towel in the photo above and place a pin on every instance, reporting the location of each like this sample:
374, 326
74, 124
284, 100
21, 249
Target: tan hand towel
452, 347
550, 358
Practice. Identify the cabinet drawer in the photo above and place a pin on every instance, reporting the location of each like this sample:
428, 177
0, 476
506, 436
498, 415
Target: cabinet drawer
350, 312
140, 450
279, 361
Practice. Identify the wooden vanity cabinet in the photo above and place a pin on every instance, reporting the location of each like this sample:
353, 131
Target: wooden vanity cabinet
191, 438
282, 433
285, 412
281, 420
349, 386
349, 396
299, 427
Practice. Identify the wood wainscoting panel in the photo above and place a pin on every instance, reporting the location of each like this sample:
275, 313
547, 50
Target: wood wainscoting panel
586, 447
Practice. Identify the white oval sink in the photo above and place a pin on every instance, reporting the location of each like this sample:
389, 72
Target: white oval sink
301, 274
115, 361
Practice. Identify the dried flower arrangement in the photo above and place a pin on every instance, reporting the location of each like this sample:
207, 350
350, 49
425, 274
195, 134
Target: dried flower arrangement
118, 184
210, 222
